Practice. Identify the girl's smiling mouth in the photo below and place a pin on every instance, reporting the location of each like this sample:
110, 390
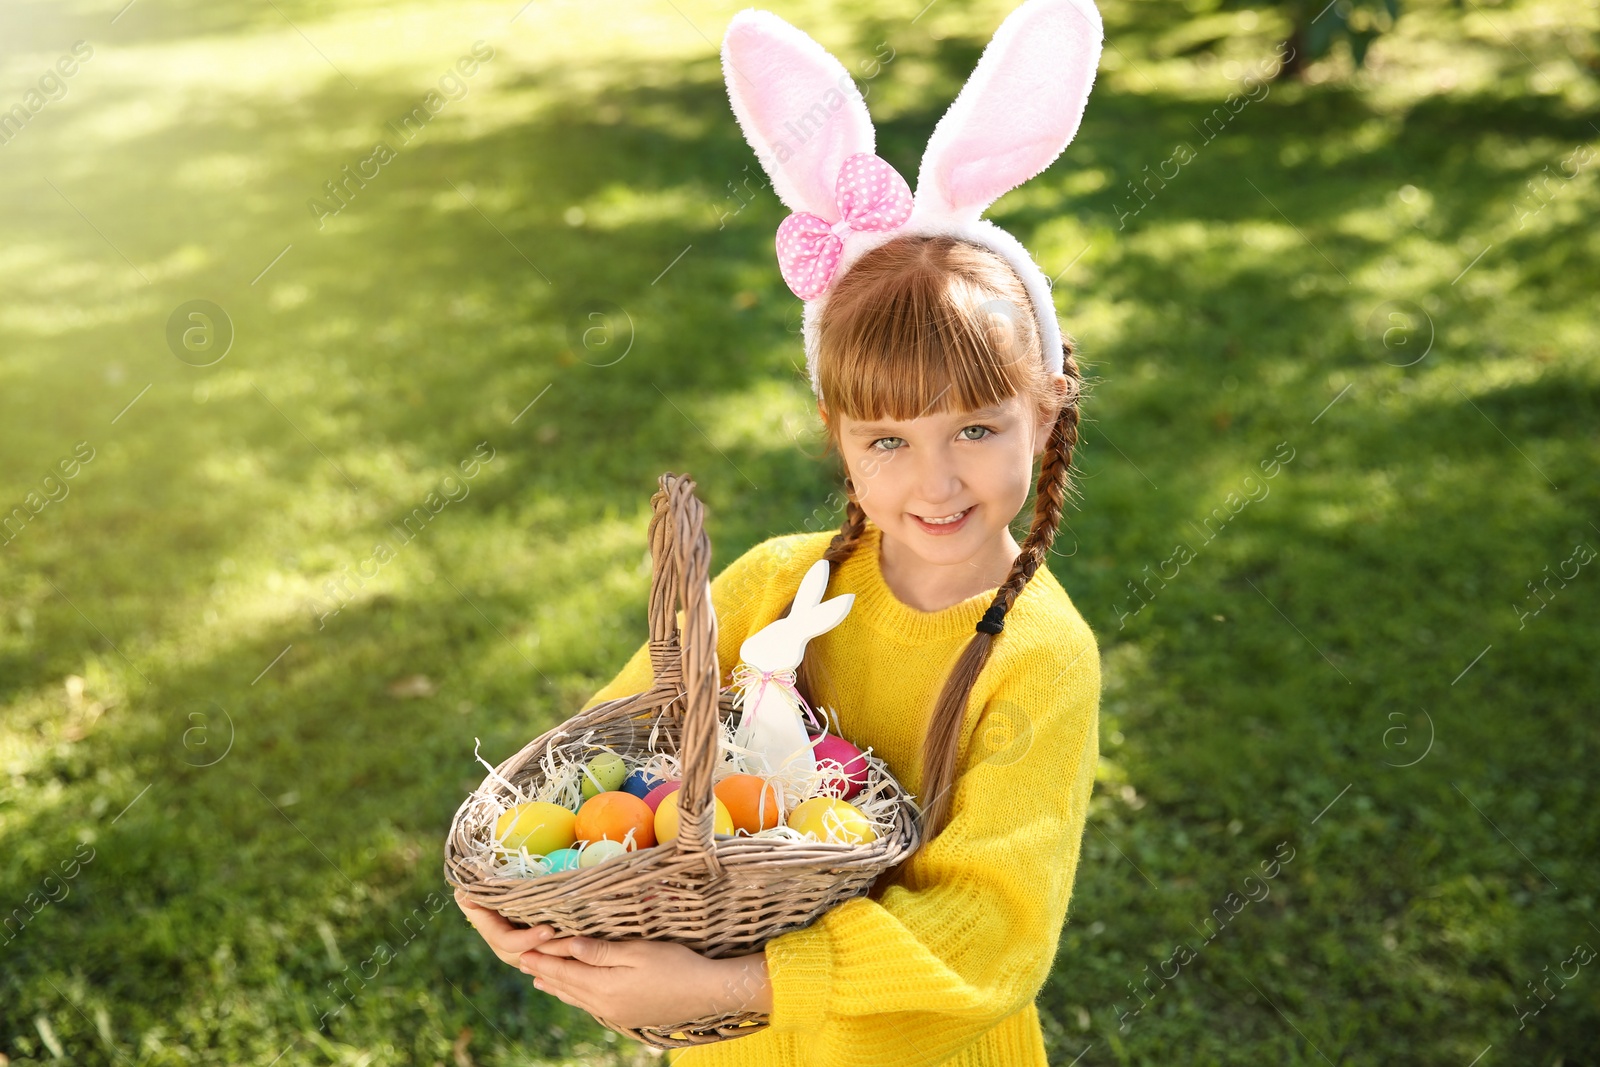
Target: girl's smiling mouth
945, 524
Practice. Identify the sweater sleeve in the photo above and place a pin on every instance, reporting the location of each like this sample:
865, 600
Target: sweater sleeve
739, 596
967, 934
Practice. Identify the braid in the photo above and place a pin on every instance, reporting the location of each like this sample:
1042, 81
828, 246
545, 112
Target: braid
944, 727
844, 542
1054, 474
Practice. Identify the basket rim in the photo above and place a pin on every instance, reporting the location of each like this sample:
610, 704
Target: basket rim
903, 831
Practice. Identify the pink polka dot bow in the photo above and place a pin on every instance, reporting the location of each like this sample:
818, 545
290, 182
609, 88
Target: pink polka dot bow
870, 195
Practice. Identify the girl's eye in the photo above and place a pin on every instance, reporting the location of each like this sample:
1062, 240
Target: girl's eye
985, 429
878, 444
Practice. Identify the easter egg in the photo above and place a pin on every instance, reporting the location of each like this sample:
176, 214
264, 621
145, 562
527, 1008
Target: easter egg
640, 782
562, 859
751, 801
538, 826
609, 816
605, 772
653, 798
831, 819
848, 756
600, 851
667, 818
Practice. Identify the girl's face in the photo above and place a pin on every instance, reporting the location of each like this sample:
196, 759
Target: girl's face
947, 485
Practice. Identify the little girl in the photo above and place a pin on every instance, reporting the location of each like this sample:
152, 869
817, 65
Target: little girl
941, 373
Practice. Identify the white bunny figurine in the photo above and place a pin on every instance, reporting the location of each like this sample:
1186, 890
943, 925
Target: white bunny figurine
770, 726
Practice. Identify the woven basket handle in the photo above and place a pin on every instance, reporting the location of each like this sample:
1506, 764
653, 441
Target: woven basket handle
681, 559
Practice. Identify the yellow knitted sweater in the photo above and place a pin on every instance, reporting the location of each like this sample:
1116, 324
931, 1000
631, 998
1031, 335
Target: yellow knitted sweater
945, 966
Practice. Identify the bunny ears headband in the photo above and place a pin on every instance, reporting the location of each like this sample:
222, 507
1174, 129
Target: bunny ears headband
802, 113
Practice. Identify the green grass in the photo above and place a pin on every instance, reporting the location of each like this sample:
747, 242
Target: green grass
163, 610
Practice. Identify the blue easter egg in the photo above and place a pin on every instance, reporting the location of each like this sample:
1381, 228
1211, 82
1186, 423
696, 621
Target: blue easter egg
562, 859
639, 783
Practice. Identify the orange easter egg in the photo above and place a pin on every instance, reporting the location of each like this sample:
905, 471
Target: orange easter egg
667, 817
609, 816
752, 802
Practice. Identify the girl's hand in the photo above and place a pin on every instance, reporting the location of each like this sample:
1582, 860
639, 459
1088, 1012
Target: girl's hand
509, 942
645, 983
627, 983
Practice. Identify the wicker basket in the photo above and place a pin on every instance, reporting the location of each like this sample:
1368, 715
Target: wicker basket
720, 895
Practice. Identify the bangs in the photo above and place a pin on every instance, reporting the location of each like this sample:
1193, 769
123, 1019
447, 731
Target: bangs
926, 325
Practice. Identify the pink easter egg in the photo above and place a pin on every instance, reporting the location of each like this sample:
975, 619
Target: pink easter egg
654, 797
849, 757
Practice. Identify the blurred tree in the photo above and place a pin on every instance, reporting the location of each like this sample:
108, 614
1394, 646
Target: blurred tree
1318, 23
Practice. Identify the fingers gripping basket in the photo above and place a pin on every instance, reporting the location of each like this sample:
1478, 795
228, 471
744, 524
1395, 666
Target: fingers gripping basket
718, 894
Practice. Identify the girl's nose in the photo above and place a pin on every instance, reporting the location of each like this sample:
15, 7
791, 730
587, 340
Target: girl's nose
938, 483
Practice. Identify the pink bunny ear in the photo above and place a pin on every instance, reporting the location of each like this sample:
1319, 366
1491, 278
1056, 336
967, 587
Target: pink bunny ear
798, 107
1016, 113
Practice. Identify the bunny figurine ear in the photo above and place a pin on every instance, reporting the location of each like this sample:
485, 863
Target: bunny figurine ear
812, 585
798, 107
1018, 110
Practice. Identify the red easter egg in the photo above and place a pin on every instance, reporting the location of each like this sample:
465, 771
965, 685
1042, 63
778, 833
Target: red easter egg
848, 756
653, 798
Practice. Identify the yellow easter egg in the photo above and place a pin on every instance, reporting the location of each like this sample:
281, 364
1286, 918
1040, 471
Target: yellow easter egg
832, 819
538, 826
667, 818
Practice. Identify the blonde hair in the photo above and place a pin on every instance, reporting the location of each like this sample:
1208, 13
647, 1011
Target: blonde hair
912, 329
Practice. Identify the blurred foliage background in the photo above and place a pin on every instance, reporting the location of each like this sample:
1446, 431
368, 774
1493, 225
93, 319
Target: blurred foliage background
234, 731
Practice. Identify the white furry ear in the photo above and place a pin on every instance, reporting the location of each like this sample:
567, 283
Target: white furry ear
1016, 113
797, 105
